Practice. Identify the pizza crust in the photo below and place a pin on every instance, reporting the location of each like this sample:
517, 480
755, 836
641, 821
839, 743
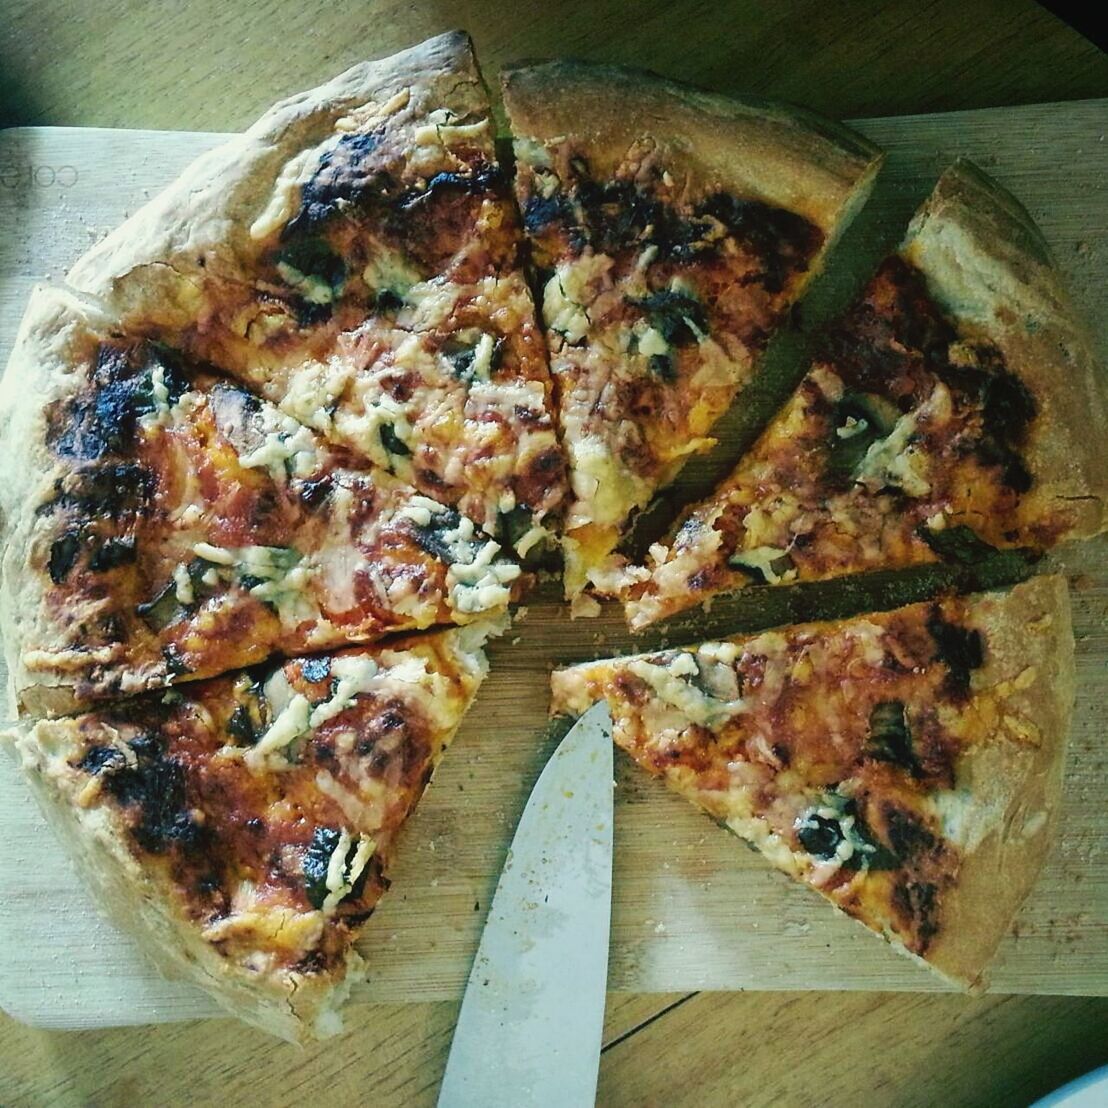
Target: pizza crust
782, 155
292, 1006
151, 268
988, 266
1016, 799
57, 329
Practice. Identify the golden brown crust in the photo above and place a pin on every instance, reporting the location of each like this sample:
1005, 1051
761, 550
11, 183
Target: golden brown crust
1016, 792
988, 266
776, 153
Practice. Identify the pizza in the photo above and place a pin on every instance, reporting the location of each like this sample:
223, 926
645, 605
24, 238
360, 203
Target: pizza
945, 417
293, 440
241, 827
670, 232
173, 526
354, 259
906, 765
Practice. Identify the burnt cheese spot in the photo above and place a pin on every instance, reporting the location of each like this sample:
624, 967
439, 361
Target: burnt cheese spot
540, 211
63, 555
153, 791
889, 738
113, 552
907, 835
102, 419
347, 174
97, 759
917, 902
783, 241
112, 489
960, 649
482, 178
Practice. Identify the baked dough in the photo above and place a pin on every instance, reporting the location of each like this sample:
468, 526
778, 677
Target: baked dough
201, 829
905, 764
672, 231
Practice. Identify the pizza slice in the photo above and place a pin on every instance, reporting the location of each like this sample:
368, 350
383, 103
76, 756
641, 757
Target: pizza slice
906, 764
164, 525
241, 827
671, 230
954, 409
353, 257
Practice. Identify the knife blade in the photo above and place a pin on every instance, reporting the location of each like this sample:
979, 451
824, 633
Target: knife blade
533, 1012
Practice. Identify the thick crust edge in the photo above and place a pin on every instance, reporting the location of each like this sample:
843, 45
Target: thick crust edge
1016, 799
42, 370
783, 155
988, 266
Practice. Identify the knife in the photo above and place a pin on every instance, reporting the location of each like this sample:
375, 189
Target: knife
533, 1012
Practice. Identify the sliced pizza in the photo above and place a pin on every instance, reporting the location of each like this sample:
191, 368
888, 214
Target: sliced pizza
353, 257
671, 231
906, 765
953, 410
241, 827
164, 525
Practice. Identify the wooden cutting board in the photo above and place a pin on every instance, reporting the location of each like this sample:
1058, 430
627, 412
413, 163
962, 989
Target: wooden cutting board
692, 908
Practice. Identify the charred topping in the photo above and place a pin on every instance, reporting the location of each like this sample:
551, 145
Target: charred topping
918, 902
154, 792
97, 759
175, 664
482, 177
783, 241
430, 537
113, 552
615, 215
112, 489
346, 174
889, 737
676, 315
63, 555
907, 836
960, 649
317, 858
958, 544
895, 342
102, 420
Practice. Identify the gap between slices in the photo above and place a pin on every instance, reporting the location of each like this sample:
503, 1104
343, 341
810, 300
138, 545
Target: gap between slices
174, 526
904, 764
354, 258
243, 826
940, 422
670, 233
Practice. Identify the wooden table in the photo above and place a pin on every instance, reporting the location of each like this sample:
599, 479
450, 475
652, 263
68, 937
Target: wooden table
207, 65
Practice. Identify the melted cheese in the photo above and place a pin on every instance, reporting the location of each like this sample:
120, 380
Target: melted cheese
692, 702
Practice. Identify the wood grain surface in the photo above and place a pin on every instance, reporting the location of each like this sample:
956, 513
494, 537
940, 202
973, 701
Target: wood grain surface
202, 64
